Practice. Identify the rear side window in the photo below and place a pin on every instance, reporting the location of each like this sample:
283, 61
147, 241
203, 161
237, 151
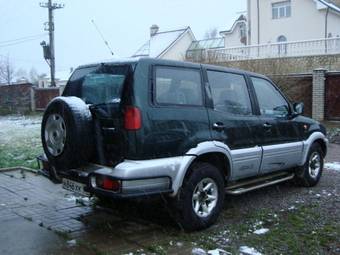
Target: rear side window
178, 86
230, 93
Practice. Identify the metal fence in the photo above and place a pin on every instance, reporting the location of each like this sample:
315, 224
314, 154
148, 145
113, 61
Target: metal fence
271, 50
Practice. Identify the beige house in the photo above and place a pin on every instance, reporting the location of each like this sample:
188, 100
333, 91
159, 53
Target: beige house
271, 21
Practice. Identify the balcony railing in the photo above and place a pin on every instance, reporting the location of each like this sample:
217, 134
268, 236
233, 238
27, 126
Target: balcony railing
272, 50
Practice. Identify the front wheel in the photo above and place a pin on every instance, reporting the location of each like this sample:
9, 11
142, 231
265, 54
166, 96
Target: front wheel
201, 197
310, 173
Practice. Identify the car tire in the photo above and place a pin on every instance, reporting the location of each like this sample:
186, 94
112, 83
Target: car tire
310, 173
190, 212
67, 133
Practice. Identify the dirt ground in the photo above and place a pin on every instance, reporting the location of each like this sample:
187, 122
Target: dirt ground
38, 217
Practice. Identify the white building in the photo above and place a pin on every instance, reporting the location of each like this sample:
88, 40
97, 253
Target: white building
271, 21
237, 34
282, 28
61, 78
167, 44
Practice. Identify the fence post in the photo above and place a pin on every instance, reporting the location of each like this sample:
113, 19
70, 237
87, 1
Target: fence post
33, 108
318, 99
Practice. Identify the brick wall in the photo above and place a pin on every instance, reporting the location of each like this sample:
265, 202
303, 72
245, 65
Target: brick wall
16, 97
43, 96
298, 88
332, 96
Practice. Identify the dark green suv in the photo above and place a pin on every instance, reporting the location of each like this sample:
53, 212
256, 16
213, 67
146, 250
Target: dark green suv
189, 131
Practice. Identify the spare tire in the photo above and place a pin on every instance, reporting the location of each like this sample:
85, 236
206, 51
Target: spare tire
67, 133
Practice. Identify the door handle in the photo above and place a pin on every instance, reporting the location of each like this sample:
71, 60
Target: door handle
218, 126
267, 125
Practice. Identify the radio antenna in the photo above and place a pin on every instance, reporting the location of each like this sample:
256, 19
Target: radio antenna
102, 36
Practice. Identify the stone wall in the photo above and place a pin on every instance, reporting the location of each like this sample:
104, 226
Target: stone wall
16, 98
275, 66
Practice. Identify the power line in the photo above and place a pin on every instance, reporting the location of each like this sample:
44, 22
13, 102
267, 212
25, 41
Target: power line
23, 38
19, 42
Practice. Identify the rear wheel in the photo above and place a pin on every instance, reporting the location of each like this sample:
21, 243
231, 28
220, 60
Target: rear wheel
201, 197
310, 173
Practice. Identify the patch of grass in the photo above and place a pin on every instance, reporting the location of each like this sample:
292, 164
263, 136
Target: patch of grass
157, 249
23, 155
304, 230
20, 141
91, 247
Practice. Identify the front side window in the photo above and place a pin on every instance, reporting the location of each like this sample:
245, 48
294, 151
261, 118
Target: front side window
281, 9
229, 93
270, 100
178, 86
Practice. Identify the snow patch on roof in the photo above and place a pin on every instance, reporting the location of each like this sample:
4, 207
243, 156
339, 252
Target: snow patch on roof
159, 43
330, 5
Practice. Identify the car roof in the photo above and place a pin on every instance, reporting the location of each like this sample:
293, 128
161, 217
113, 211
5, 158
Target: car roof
150, 61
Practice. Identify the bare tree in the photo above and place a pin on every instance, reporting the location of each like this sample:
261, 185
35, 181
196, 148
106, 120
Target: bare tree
6, 71
211, 33
33, 76
21, 74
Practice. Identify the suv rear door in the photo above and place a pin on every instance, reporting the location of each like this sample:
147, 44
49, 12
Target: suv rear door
277, 133
233, 121
104, 87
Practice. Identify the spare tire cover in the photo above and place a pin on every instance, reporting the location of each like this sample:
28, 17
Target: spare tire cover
67, 133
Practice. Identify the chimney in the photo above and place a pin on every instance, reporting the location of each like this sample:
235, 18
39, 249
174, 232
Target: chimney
153, 30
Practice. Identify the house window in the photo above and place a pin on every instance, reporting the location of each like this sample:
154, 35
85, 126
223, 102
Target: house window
282, 46
281, 9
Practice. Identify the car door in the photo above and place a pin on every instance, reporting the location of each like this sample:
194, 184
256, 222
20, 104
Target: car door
177, 119
277, 134
232, 120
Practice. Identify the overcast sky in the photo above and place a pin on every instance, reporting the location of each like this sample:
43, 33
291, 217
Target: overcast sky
124, 23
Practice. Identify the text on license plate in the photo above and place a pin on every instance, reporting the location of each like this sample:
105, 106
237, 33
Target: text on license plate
76, 187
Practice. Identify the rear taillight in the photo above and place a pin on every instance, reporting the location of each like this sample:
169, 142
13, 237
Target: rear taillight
132, 118
105, 182
110, 184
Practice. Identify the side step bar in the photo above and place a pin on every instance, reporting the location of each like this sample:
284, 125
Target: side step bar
258, 183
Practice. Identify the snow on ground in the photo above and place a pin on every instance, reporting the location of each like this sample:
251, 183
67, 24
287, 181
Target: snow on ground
18, 128
333, 166
218, 252
261, 231
249, 251
200, 251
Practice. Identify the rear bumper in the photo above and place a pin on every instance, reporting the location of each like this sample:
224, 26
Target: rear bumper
136, 178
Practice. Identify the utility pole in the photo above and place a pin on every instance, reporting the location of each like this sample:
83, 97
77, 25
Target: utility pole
49, 26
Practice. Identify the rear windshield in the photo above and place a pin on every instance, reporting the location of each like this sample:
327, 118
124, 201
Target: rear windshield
98, 84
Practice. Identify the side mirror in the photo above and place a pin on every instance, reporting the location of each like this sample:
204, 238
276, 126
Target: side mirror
298, 108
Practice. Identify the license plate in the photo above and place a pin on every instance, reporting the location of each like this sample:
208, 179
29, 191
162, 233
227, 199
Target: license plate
75, 187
